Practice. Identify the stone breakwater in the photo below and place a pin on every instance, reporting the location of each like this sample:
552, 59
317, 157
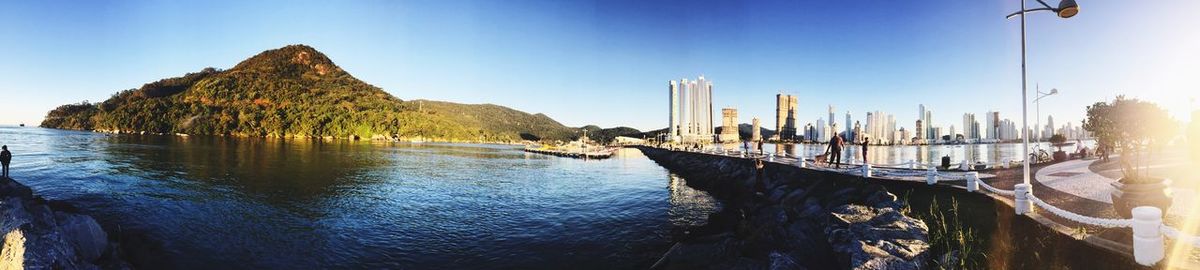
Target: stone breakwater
41, 234
784, 217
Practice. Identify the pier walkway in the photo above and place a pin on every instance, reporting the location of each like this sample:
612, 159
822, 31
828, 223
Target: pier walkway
1074, 193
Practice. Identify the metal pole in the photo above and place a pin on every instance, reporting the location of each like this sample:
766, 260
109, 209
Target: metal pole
1037, 102
1024, 101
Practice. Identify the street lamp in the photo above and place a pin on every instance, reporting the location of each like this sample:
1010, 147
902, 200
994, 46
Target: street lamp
1066, 9
1053, 91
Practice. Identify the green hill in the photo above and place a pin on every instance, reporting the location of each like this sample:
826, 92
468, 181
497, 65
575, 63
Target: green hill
606, 135
296, 91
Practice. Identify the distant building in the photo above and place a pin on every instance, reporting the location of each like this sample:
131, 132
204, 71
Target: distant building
832, 121
785, 116
691, 111
756, 134
729, 126
850, 134
920, 129
822, 130
623, 140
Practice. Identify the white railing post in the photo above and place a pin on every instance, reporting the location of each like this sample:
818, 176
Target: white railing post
866, 170
1147, 235
803, 164
771, 158
912, 164
1021, 194
972, 181
964, 166
931, 176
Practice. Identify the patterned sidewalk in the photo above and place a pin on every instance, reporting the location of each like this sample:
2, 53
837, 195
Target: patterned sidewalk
1074, 177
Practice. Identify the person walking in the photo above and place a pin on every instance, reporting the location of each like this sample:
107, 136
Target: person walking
5, 158
864, 148
835, 150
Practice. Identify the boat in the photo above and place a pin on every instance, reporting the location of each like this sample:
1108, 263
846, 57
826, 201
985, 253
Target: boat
22, 124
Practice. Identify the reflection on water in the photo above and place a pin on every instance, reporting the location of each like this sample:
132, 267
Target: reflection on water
214, 202
986, 153
689, 207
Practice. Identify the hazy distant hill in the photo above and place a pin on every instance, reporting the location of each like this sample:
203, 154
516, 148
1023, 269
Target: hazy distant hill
296, 91
605, 135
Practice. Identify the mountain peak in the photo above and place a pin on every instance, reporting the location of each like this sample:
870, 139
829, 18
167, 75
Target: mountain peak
294, 60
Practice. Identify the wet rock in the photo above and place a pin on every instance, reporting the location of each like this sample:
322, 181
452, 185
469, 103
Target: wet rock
38, 236
82, 232
700, 254
780, 261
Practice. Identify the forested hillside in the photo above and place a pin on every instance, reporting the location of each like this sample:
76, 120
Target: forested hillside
296, 91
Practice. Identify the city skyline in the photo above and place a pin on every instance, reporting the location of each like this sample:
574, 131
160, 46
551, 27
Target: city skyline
956, 57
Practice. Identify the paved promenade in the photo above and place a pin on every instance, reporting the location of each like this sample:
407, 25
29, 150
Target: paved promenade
1091, 179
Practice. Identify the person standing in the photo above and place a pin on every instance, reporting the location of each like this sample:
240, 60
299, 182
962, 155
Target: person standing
865, 141
5, 158
835, 150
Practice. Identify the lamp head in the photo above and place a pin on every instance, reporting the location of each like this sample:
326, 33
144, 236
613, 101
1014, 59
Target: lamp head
1067, 9
1054, 91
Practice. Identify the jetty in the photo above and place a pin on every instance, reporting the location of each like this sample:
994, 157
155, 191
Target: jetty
1005, 211
596, 154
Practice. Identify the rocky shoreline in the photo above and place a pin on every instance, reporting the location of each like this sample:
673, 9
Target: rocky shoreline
41, 234
784, 217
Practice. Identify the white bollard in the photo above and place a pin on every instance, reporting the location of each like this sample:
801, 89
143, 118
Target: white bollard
866, 170
931, 177
1005, 164
972, 181
964, 166
1147, 235
1024, 205
771, 158
803, 164
912, 164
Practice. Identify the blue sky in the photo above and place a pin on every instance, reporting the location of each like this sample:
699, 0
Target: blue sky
608, 62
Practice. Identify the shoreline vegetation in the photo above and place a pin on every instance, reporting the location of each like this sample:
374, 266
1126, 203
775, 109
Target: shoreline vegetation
297, 92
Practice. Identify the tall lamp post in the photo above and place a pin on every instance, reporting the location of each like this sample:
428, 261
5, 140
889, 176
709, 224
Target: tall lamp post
1066, 9
1053, 91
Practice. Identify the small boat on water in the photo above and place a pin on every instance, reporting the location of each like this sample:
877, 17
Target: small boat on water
22, 124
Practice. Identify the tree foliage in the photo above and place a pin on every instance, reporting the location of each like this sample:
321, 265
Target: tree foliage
1133, 126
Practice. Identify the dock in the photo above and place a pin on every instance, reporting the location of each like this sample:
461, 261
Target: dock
601, 154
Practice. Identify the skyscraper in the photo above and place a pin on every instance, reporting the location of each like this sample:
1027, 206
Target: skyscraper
849, 129
785, 116
756, 134
673, 89
832, 121
920, 132
970, 127
691, 109
729, 125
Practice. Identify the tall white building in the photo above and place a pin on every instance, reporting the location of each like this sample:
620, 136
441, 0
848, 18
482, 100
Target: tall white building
822, 131
970, 128
850, 136
691, 111
881, 128
832, 121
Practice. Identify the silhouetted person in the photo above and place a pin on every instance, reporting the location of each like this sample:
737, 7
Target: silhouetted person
835, 150
864, 148
5, 158
760, 147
